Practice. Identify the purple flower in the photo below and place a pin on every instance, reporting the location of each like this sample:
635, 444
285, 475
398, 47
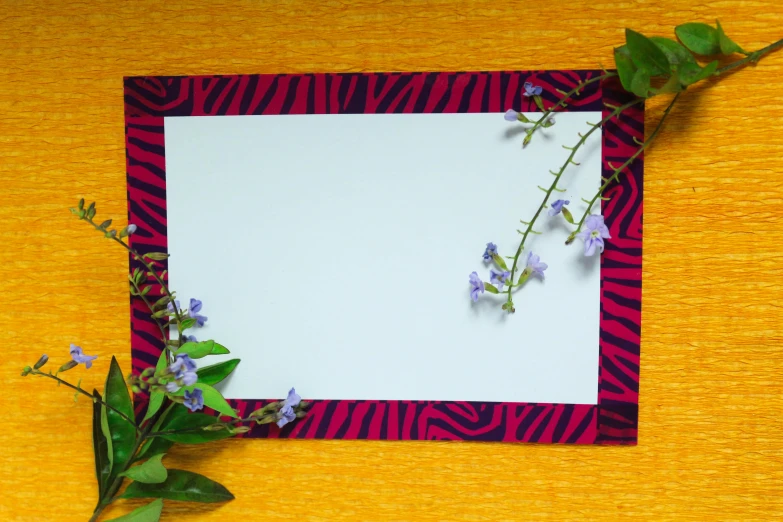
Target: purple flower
189, 338
195, 307
287, 413
131, 229
78, 355
477, 286
490, 251
499, 278
194, 400
171, 307
184, 370
531, 90
593, 234
557, 206
535, 266
511, 115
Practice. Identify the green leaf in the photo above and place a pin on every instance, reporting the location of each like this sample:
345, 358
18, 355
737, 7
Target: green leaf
81, 204
675, 53
726, 44
640, 85
181, 485
625, 66
188, 323
193, 423
217, 372
699, 38
196, 350
149, 513
645, 54
100, 445
219, 349
123, 433
150, 472
490, 288
690, 73
212, 398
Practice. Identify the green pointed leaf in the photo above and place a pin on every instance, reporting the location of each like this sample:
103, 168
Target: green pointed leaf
151, 471
490, 288
212, 398
196, 350
100, 446
699, 38
123, 433
219, 349
690, 73
726, 44
217, 372
149, 513
625, 66
645, 54
193, 424
181, 485
640, 85
675, 53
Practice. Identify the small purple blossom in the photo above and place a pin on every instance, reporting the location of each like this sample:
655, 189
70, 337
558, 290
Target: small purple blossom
557, 206
194, 400
511, 115
195, 307
131, 229
593, 234
534, 266
287, 413
499, 278
172, 387
184, 370
173, 307
477, 286
490, 251
531, 90
189, 338
78, 355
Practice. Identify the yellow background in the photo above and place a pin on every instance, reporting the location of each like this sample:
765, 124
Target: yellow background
711, 394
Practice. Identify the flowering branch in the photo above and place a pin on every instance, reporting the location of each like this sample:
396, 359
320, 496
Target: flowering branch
616, 174
509, 306
84, 392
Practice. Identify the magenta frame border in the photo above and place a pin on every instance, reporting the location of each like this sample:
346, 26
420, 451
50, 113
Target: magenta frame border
614, 420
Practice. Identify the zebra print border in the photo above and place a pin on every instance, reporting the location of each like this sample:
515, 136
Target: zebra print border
613, 420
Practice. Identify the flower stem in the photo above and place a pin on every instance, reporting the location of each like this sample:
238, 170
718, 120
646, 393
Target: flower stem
566, 96
87, 394
553, 186
622, 167
751, 58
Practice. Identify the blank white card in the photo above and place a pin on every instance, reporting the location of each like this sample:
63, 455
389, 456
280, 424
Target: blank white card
332, 253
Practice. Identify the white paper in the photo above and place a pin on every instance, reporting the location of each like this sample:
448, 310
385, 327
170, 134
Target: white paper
332, 253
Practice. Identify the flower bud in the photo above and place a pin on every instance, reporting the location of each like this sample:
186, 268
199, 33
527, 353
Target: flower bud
26, 370
240, 429
214, 427
567, 215
571, 237
41, 361
67, 366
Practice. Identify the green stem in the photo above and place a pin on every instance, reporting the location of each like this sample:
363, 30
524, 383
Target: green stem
566, 96
151, 308
619, 169
108, 498
751, 58
553, 186
85, 393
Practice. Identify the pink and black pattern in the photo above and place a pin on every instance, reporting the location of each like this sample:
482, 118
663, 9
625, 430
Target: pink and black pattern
612, 421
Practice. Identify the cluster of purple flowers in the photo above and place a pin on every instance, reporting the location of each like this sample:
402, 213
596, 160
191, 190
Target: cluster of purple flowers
499, 278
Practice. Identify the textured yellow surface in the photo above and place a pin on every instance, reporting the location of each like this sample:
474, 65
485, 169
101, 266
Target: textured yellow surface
711, 393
